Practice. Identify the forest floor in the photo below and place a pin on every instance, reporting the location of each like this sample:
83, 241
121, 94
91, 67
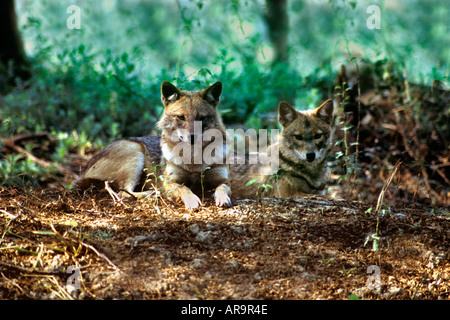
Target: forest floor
58, 244
303, 248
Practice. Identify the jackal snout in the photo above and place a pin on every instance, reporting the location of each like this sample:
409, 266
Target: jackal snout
192, 138
310, 156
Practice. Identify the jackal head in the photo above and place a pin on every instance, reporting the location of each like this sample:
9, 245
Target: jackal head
306, 134
188, 114
192, 129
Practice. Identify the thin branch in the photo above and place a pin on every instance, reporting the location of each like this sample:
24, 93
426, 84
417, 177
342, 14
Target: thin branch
11, 143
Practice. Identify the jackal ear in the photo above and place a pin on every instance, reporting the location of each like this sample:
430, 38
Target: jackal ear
169, 93
325, 111
212, 93
286, 114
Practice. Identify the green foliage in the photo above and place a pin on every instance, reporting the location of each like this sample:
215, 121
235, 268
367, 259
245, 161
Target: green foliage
16, 170
262, 187
106, 84
102, 82
78, 93
353, 297
79, 142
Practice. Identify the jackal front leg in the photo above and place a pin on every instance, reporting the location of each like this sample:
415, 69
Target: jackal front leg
218, 177
176, 192
222, 195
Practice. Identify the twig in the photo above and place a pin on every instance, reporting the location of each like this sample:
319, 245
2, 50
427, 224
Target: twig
29, 270
13, 282
14, 140
10, 143
406, 82
382, 193
359, 112
13, 217
101, 255
62, 293
385, 186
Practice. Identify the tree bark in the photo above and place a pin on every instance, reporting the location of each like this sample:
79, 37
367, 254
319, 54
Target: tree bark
278, 26
13, 63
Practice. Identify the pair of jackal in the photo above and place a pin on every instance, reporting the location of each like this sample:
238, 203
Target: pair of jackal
182, 164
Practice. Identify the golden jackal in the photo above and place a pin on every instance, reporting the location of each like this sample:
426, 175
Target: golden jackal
303, 146
189, 153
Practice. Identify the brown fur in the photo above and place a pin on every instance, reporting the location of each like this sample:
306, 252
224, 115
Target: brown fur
303, 147
182, 108
123, 162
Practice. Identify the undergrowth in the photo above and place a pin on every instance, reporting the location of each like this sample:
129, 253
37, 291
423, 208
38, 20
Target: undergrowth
84, 97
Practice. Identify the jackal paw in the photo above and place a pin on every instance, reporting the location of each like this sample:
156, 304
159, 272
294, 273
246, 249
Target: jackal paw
191, 201
222, 198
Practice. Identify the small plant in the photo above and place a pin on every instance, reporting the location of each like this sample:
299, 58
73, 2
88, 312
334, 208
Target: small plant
348, 156
202, 175
374, 237
327, 261
153, 178
347, 273
18, 170
261, 190
102, 235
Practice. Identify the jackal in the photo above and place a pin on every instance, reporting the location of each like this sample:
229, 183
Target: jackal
178, 154
303, 146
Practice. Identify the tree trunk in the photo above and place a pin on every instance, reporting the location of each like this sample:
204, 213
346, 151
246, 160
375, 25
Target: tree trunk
278, 28
278, 25
13, 63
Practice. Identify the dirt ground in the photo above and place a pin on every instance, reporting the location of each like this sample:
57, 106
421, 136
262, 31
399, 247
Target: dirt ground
56, 244
59, 245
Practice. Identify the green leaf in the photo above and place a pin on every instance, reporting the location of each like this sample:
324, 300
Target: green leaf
47, 233
375, 245
251, 182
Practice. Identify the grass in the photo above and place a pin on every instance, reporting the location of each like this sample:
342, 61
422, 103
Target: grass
379, 212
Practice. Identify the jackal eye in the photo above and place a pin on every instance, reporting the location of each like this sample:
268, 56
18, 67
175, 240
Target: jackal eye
182, 118
298, 137
317, 136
